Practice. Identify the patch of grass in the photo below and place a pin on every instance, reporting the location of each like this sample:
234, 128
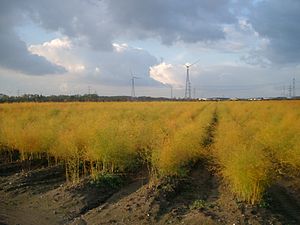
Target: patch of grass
110, 181
198, 204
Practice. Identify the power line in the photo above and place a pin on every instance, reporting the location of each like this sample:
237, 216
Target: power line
242, 87
290, 91
283, 91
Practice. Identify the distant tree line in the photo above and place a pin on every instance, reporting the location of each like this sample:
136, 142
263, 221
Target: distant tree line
77, 98
96, 98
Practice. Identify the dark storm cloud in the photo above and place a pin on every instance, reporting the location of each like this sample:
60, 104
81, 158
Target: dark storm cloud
279, 21
76, 19
102, 21
14, 53
99, 23
172, 20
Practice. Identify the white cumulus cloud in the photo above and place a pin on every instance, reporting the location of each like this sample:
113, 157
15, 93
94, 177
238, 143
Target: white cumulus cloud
59, 51
167, 74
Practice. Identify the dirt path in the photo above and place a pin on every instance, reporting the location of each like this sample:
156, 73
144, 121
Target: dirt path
22, 193
41, 196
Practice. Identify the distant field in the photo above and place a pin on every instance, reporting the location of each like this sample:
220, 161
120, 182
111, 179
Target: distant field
249, 144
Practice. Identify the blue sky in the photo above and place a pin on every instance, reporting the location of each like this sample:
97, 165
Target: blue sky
245, 48
32, 34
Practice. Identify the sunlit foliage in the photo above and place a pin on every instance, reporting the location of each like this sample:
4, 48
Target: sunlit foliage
256, 143
251, 144
93, 138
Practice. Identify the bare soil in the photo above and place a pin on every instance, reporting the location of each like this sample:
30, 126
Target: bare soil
40, 195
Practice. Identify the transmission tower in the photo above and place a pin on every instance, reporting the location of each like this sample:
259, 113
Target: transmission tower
188, 88
294, 87
283, 91
290, 91
187, 93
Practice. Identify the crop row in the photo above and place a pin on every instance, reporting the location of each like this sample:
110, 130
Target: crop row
93, 138
251, 144
256, 144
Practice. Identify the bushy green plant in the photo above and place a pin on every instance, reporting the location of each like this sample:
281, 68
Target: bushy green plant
108, 181
198, 204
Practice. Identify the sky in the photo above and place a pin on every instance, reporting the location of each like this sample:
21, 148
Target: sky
246, 48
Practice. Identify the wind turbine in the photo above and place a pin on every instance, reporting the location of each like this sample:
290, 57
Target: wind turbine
133, 85
188, 91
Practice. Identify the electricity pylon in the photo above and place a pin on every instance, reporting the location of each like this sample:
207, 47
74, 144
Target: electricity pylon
188, 88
